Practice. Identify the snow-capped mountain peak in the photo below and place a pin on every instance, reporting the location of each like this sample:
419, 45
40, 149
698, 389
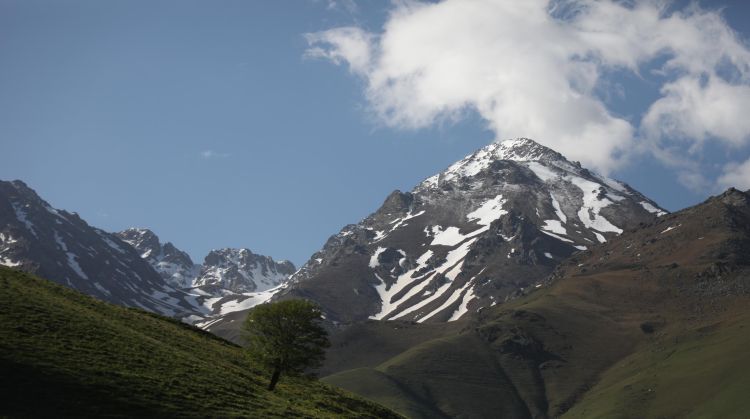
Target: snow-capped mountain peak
174, 265
241, 270
234, 270
517, 150
490, 225
521, 149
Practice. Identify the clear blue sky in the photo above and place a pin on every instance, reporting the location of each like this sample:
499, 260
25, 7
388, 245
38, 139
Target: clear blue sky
204, 121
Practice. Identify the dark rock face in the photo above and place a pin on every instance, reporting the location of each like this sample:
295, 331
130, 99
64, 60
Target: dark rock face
240, 270
223, 270
493, 224
174, 265
654, 296
130, 268
60, 246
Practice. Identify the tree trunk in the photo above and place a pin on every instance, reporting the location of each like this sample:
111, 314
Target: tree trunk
274, 378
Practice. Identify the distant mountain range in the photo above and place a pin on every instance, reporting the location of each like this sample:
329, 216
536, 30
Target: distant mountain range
130, 268
236, 270
480, 233
515, 283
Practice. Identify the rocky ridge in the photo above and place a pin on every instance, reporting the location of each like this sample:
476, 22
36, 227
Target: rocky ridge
131, 268
60, 246
235, 270
491, 225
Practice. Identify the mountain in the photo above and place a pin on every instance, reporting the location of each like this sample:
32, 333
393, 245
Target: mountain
241, 270
235, 280
489, 227
61, 246
229, 280
235, 270
131, 268
64, 354
174, 265
653, 323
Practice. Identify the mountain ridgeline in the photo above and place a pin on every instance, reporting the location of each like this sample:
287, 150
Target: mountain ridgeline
60, 246
131, 268
236, 270
653, 323
492, 225
515, 283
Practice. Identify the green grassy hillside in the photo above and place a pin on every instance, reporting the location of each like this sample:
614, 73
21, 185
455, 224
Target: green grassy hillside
699, 374
63, 354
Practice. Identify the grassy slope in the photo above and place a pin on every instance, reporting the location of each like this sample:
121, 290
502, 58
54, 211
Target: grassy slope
577, 348
701, 373
66, 354
608, 367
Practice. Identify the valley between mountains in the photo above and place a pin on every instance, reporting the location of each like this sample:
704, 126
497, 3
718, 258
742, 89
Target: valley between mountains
515, 283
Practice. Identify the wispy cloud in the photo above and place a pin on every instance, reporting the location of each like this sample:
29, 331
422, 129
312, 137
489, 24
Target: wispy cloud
210, 154
540, 68
737, 175
349, 6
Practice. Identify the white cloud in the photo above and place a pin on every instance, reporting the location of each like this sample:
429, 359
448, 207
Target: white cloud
349, 45
696, 111
349, 6
536, 68
210, 154
736, 175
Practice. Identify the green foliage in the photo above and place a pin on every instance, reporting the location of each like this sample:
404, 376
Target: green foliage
286, 337
64, 354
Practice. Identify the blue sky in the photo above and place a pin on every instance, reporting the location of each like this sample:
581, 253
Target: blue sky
221, 124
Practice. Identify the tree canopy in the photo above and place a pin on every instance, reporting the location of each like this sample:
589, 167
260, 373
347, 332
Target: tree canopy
286, 336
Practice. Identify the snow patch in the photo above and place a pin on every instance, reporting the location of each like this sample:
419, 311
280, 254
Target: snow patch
22, 217
110, 242
374, 258
251, 300
102, 289
592, 204
558, 210
463, 307
489, 211
556, 236
7, 239
467, 296
72, 257
554, 226
670, 228
73, 263
453, 261
542, 172
400, 221
451, 236
8, 262
652, 209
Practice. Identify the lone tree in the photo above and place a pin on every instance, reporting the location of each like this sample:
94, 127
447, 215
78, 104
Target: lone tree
286, 336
